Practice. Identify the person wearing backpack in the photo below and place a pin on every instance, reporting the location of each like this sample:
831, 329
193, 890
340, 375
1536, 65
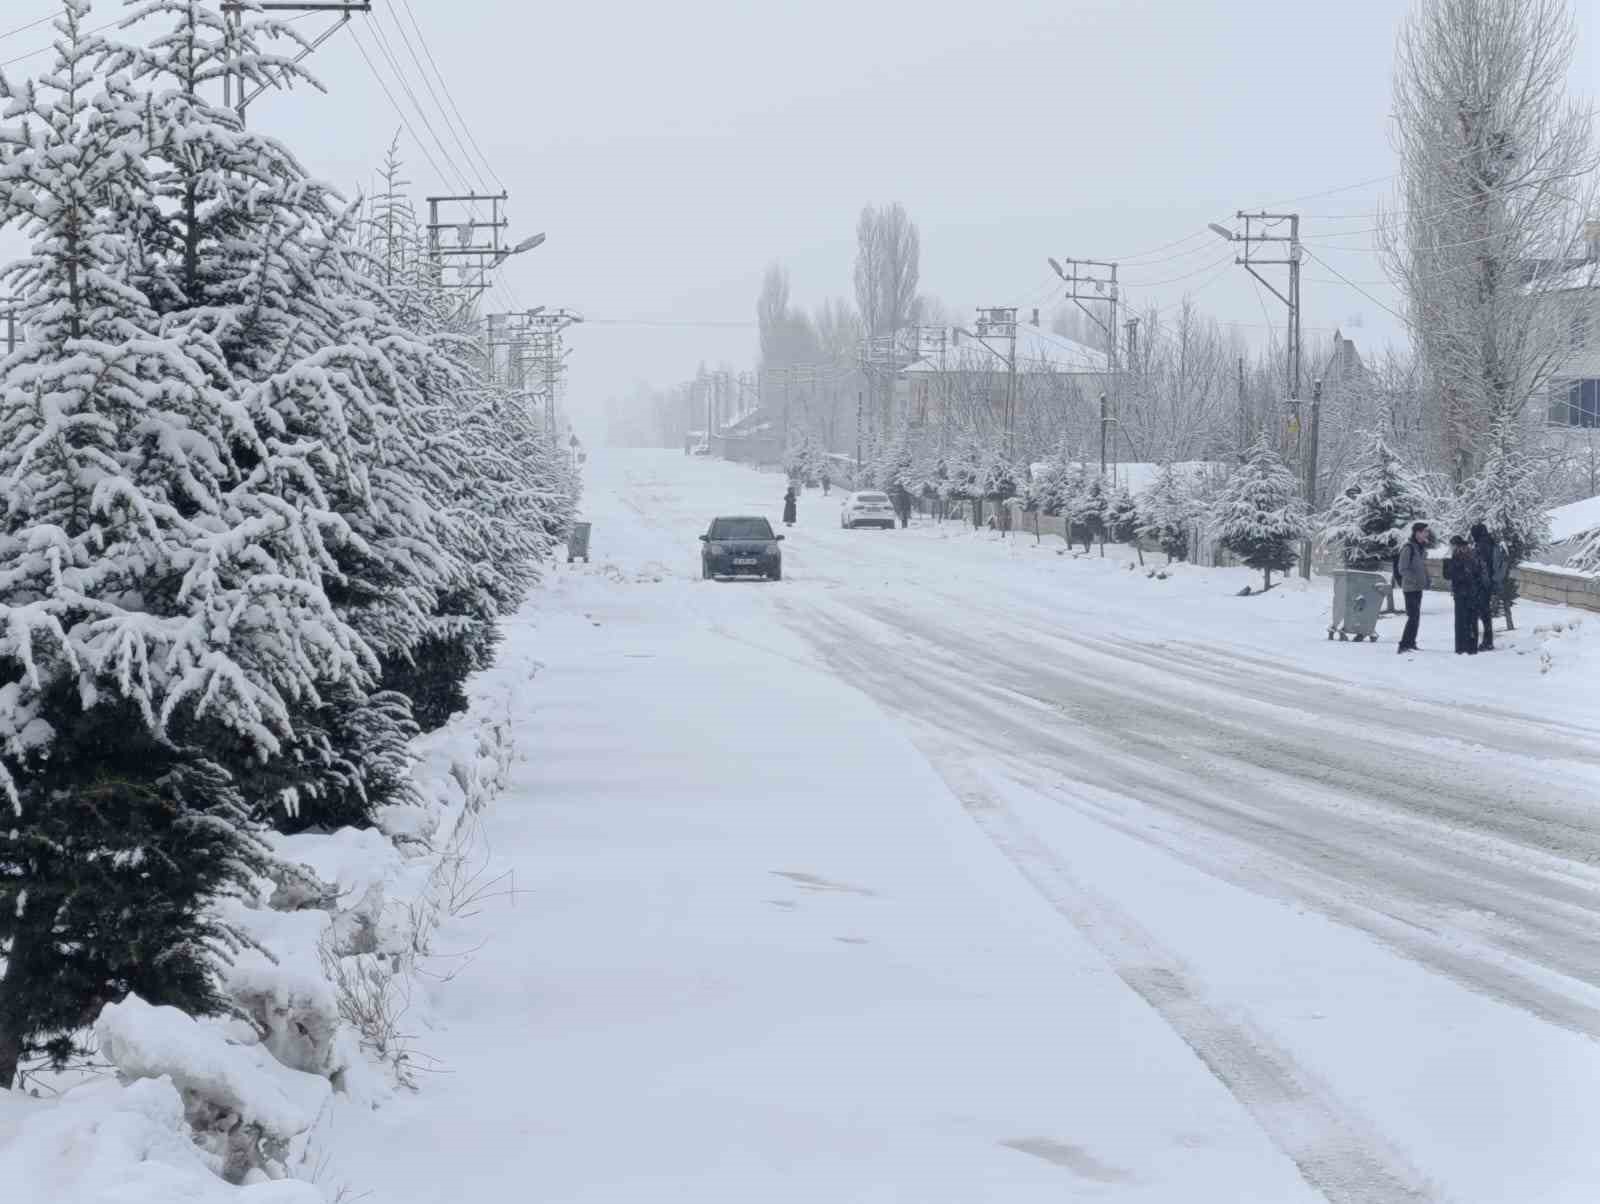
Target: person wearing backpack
1492, 553
1411, 571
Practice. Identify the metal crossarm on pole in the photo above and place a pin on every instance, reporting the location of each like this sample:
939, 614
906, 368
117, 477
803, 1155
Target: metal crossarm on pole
1095, 280
233, 11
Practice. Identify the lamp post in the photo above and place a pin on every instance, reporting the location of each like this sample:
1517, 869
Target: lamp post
527, 244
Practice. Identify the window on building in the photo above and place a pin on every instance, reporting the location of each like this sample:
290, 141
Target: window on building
1578, 329
1576, 403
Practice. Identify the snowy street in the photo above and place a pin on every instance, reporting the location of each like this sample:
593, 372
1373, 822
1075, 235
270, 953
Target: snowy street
953, 869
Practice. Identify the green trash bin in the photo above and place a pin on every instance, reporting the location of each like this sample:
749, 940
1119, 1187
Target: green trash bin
1357, 598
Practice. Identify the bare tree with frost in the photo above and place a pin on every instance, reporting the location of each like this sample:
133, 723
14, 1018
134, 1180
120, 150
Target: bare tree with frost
1496, 179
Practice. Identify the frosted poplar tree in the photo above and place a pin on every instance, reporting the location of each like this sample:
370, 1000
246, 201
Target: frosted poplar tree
1260, 517
1496, 171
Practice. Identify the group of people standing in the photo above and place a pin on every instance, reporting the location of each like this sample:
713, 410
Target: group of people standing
1478, 570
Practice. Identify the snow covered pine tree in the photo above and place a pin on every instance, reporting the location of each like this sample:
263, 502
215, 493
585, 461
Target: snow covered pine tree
1167, 512
1259, 516
159, 608
1367, 522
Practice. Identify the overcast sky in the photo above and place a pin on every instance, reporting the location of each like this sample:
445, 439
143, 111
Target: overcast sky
671, 151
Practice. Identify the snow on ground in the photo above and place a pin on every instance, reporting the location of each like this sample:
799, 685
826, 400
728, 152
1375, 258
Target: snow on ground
953, 869
1574, 519
957, 868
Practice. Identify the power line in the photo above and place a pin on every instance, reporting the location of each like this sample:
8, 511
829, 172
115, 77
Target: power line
450, 97
400, 77
1226, 259
46, 49
1358, 288
406, 121
428, 83
29, 25
675, 322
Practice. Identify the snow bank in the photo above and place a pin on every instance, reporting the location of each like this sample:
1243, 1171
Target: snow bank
109, 1144
238, 1110
247, 1110
1576, 518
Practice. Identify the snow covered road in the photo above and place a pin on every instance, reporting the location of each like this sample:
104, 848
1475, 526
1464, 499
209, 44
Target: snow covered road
952, 869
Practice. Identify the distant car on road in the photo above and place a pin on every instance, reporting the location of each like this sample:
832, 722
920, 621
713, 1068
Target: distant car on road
741, 546
866, 509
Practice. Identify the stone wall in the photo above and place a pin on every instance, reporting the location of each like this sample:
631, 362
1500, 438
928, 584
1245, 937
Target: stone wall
1539, 583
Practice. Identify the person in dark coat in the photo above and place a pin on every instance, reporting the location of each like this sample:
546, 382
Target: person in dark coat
1469, 581
1492, 555
789, 500
826, 482
1411, 571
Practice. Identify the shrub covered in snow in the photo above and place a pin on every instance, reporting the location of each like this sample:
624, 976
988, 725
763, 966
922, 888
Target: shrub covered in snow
1168, 511
1369, 520
1259, 517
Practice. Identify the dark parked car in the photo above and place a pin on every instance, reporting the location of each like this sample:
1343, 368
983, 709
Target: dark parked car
741, 546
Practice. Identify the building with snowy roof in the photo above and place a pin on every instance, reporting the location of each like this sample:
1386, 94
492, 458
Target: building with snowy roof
967, 379
1571, 290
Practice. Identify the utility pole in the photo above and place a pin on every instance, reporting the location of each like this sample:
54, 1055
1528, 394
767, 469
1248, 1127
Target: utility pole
1259, 230
1105, 421
476, 253
233, 19
1311, 471
1095, 280
549, 355
1244, 417
1000, 322
860, 398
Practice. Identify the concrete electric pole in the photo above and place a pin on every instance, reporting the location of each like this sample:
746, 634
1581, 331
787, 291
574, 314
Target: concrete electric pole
1096, 280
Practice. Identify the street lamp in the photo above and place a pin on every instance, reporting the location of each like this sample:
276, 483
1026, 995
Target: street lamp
1222, 232
527, 244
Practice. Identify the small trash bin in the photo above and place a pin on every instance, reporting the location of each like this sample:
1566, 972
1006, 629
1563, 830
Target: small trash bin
578, 543
1357, 598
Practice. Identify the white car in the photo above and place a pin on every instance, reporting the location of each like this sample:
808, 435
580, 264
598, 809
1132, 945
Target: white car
867, 509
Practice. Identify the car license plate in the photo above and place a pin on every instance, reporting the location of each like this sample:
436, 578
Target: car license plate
745, 560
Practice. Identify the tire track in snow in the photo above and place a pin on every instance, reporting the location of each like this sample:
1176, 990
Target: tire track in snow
1500, 915
1337, 1152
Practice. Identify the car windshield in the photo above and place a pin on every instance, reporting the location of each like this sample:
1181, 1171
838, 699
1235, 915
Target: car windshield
741, 528
872, 497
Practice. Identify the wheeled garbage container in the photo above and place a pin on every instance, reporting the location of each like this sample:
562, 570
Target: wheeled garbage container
1357, 598
578, 543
